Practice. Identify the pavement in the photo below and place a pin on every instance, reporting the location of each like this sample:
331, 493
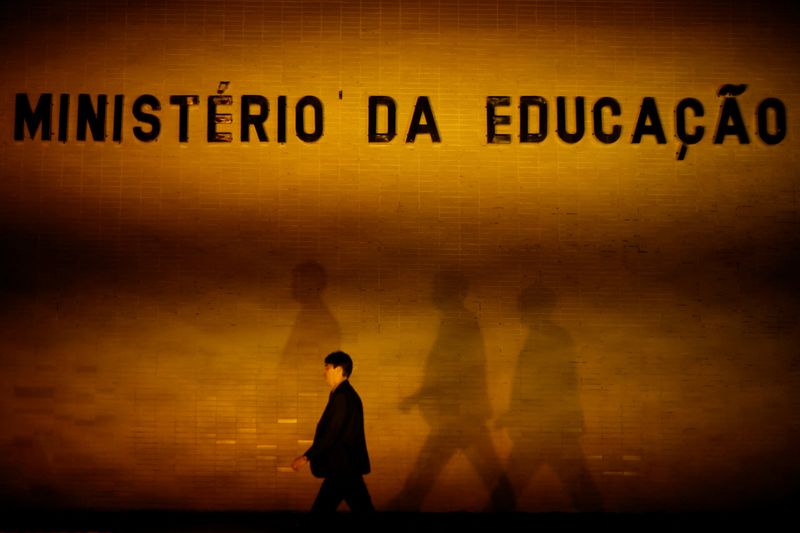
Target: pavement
72, 520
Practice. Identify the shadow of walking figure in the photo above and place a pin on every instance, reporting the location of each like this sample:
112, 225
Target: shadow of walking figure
315, 333
315, 330
545, 419
454, 401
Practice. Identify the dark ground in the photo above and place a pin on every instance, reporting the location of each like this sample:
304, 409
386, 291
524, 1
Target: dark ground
235, 522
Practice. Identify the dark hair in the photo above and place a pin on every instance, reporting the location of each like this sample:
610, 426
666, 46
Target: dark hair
340, 359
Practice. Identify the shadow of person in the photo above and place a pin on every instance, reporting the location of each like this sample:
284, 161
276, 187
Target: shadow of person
454, 401
314, 334
545, 419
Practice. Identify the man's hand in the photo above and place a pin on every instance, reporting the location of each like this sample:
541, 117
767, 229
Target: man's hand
298, 462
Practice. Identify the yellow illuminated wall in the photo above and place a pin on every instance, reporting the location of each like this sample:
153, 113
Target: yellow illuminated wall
550, 325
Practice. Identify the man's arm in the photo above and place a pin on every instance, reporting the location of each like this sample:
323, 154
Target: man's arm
339, 414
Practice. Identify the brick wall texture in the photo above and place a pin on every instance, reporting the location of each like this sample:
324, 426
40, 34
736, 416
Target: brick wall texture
550, 325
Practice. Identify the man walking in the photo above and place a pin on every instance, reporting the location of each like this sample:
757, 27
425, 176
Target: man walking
339, 452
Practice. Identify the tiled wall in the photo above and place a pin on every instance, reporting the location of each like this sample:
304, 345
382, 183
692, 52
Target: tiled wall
560, 326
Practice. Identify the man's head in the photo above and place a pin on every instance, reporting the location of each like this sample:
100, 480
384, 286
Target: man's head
338, 367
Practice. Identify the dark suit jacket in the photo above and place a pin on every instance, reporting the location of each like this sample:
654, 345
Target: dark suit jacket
340, 447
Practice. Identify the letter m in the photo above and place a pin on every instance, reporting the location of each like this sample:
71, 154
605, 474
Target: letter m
25, 116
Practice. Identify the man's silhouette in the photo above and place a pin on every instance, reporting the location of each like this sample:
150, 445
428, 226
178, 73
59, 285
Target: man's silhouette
454, 400
339, 452
545, 419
